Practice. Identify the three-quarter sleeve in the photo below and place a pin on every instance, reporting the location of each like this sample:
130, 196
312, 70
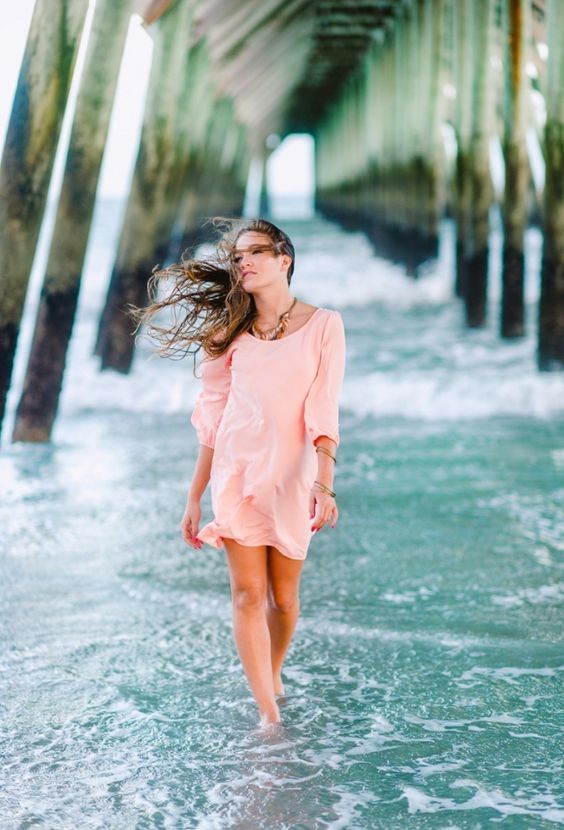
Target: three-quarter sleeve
321, 411
210, 403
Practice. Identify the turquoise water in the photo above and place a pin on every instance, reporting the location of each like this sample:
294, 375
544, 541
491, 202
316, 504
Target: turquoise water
424, 684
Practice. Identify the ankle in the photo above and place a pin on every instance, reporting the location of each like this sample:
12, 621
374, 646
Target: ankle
269, 715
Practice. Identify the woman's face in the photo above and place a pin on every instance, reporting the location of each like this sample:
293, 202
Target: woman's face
256, 262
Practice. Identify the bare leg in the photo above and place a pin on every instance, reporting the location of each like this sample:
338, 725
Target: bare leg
283, 608
248, 577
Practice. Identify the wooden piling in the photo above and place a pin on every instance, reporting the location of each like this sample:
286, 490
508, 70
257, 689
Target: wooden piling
43, 381
198, 111
209, 197
28, 157
419, 176
514, 210
433, 186
463, 23
475, 243
227, 190
550, 353
264, 201
206, 181
137, 252
189, 137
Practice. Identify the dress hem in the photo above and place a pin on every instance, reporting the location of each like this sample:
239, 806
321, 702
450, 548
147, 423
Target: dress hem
214, 539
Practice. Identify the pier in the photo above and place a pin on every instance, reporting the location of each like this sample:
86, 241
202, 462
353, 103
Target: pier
425, 677
404, 100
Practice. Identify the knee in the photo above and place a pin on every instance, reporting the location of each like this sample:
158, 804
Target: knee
249, 597
284, 603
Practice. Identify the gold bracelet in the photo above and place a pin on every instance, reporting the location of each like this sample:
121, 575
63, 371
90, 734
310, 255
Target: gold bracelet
326, 451
325, 489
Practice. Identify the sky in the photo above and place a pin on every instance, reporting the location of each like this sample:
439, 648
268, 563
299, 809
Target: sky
290, 166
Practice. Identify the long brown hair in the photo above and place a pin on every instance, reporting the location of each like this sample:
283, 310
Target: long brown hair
209, 307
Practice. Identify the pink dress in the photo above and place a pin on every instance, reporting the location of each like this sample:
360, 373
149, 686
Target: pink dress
262, 405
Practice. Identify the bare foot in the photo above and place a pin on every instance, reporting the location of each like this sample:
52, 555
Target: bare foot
278, 686
270, 717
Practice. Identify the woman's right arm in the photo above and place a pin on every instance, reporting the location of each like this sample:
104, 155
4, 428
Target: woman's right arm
190, 522
206, 418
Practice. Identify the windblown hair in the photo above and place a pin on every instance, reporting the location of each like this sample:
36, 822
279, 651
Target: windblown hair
208, 305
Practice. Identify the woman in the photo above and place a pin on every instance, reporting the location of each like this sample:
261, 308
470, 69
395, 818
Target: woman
267, 423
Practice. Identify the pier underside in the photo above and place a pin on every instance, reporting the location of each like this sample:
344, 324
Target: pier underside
404, 99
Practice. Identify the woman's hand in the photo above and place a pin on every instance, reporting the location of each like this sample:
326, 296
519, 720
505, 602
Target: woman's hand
190, 522
322, 509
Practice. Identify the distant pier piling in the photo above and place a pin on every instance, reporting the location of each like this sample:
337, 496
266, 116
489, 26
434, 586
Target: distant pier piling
475, 240
264, 203
380, 163
551, 311
59, 295
463, 45
514, 208
427, 163
28, 157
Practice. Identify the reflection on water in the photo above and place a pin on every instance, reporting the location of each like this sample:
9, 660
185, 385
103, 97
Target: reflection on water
424, 682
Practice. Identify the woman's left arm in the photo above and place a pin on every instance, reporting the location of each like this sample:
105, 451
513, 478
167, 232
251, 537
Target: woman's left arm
322, 506
325, 464
322, 418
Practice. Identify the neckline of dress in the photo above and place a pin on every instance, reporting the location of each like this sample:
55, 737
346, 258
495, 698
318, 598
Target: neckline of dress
287, 336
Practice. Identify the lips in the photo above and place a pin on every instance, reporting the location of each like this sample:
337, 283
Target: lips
247, 273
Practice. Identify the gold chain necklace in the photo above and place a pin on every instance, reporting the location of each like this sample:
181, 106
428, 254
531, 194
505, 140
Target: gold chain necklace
278, 330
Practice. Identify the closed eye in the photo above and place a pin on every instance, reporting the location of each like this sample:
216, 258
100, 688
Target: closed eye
237, 258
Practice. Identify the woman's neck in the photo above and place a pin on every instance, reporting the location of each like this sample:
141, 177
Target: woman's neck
269, 310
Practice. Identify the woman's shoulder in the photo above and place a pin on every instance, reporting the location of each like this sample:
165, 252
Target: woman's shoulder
322, 311
327, 311
330, 315
331, 325
321, 318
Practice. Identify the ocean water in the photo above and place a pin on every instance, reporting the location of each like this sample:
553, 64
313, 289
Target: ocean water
424, 683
